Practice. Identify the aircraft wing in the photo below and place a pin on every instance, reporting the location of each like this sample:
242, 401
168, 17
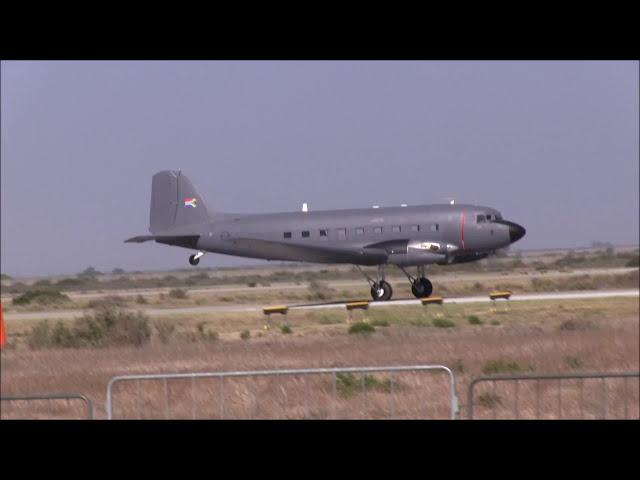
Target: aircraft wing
313, 253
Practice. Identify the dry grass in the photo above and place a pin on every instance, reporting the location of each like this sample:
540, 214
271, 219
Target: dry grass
529, 335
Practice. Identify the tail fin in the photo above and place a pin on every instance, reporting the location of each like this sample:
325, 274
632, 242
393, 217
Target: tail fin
175, 202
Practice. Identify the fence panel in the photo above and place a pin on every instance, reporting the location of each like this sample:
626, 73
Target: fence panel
352, 392
46, 406
559, 396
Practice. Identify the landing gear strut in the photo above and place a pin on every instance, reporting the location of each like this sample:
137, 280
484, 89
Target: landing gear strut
380, 289
421, 287
195, 258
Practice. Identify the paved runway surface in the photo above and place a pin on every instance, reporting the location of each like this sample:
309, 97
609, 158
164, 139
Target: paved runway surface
157, 312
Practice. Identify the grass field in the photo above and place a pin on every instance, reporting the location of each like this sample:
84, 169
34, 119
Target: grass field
539, 337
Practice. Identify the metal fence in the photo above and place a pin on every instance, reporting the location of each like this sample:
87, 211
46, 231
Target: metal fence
574, 396
394, 392
53, 407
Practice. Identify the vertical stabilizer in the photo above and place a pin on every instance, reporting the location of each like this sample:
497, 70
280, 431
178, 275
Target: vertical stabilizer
174, 202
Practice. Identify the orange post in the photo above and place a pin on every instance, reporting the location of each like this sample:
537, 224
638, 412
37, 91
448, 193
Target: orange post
3, 339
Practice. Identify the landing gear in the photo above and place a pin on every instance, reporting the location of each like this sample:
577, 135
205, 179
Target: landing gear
195, 258
421, 287
380, 289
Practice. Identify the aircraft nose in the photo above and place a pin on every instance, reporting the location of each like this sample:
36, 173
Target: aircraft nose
516, 232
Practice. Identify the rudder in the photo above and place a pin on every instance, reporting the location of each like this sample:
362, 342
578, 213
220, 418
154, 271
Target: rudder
174, 202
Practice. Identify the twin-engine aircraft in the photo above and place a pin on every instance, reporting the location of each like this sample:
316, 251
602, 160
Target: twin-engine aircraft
403, 236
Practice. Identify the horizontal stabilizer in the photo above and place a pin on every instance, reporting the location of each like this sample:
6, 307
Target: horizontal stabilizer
187, 241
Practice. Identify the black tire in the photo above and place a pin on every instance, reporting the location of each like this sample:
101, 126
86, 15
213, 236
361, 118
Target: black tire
427, 287
421, 288
193, 260
383, 296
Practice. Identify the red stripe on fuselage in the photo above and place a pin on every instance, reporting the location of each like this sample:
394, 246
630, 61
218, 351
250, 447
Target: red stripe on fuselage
462, 229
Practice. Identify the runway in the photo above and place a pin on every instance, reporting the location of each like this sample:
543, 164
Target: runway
162, 312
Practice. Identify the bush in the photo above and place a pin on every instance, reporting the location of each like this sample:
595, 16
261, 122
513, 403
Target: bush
41, 297
285, 329
245, 334
118, 271
443, 323
633, 262
474, 320
573, 362
347, 384
319, 290
141, 300
380, 323
489, 400
575, 325
108, 301
495, 322
178, 293
502, 366
361, 327
108, 326
165, 330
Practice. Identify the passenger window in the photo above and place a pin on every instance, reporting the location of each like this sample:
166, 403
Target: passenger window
481, 219
415, 228
342, 234
305, 234
433, 227
377, 229
323, 232
359, 231
395, 229
287, 234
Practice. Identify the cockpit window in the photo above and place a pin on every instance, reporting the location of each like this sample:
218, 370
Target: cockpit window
481, 219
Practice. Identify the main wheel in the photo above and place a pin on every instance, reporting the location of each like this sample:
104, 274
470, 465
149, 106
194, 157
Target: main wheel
193, 260
381, 291
421, 288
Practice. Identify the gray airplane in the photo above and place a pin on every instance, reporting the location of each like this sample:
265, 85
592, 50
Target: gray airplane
403, 236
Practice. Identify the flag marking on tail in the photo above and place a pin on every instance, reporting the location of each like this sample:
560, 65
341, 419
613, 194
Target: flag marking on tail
191, 202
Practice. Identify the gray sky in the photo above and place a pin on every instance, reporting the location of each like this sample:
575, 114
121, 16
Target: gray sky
552, 145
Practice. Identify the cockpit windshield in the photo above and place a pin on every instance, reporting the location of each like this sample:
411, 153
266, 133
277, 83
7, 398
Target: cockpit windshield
488, 217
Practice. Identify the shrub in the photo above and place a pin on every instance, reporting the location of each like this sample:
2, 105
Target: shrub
443, 323
458, 366
380, 323
108, 301
285, 329
575, 325
474, 320
107, 326
178, 293
245, 334
165, 330
489, 400
495, 322
206, 335
502, 366
361, 327
252, 284
633, 262
573, 362
41, 297
118, 271
319, 290
141, 300
347, 384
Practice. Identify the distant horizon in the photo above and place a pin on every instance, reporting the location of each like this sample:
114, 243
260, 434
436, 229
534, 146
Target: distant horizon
256, 263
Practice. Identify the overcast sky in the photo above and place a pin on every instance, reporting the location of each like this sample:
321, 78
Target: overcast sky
552, 145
